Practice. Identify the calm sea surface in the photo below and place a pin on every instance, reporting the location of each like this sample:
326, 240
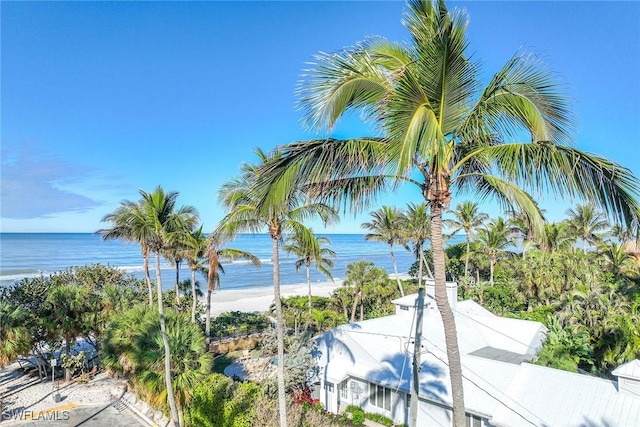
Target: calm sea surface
35, 254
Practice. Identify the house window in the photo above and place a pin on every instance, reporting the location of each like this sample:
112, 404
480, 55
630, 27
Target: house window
474, 421
380, 396
328, 387
344, 389
404, 307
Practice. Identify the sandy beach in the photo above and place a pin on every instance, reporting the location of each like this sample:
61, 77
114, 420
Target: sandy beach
258, 299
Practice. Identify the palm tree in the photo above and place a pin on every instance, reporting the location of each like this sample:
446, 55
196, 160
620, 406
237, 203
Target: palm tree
162, 220
585, 222
248, 212
214, 254
621, 233
467, 217
310, 251
555, 237
191, 363
174, 253
417, 230
133, 346
493, 241
387, 226
195, 249
128, 224
616, 259
439, 130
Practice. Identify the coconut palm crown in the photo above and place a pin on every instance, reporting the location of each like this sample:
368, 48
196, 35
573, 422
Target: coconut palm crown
440, 130
387, 225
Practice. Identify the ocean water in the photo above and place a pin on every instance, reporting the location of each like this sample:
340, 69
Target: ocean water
35, 254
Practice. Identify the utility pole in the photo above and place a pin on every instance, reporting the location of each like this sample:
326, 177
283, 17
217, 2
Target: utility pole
417, 349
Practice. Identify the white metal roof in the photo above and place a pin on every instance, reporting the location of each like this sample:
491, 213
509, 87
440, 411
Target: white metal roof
508, 394
551, 397
628, 370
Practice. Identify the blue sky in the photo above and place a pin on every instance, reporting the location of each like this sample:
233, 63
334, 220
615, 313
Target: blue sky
100, 99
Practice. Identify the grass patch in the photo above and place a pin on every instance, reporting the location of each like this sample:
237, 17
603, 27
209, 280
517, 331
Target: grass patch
380, 419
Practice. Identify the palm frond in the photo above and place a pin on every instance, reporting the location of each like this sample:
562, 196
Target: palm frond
337, 82
523, 95
564, 170
509, 196
330, 171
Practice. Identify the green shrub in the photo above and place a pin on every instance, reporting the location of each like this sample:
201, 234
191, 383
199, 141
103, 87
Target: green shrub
355, 414
218, 402
207, 405
237, 323
380, 419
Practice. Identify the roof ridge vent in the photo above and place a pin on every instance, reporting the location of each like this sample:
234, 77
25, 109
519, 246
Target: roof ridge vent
628, 378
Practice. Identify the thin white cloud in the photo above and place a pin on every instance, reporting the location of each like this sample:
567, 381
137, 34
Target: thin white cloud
33, 184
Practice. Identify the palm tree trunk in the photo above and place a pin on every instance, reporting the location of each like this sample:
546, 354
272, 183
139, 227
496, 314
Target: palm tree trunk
448, 320
354, 306
309, 284
177, 290
282, 403
207, 320
180, 413
466, 260
395, 269
194, 298
167, 351
67, 371
426, 264
492, 264
147, 276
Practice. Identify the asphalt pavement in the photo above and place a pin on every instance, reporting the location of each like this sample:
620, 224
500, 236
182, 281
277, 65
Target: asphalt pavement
110, 415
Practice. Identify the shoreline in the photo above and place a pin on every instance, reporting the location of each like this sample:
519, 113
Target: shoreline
259, 299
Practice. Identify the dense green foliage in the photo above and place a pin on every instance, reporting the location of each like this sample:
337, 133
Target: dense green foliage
585, 293
133, 347
52, 312
219, 402
238, 323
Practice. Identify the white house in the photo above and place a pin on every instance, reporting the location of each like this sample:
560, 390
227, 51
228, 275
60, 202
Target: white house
369, 364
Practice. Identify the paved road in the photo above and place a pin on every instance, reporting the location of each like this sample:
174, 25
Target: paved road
89, 416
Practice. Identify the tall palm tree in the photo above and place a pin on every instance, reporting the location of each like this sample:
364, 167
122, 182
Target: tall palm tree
214, 254
493, 241
467, 217
247, 212
195, 248
585, 223
387, 226
162, 220
439, 130
174, 253
128, 224
417, 230
311, 251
